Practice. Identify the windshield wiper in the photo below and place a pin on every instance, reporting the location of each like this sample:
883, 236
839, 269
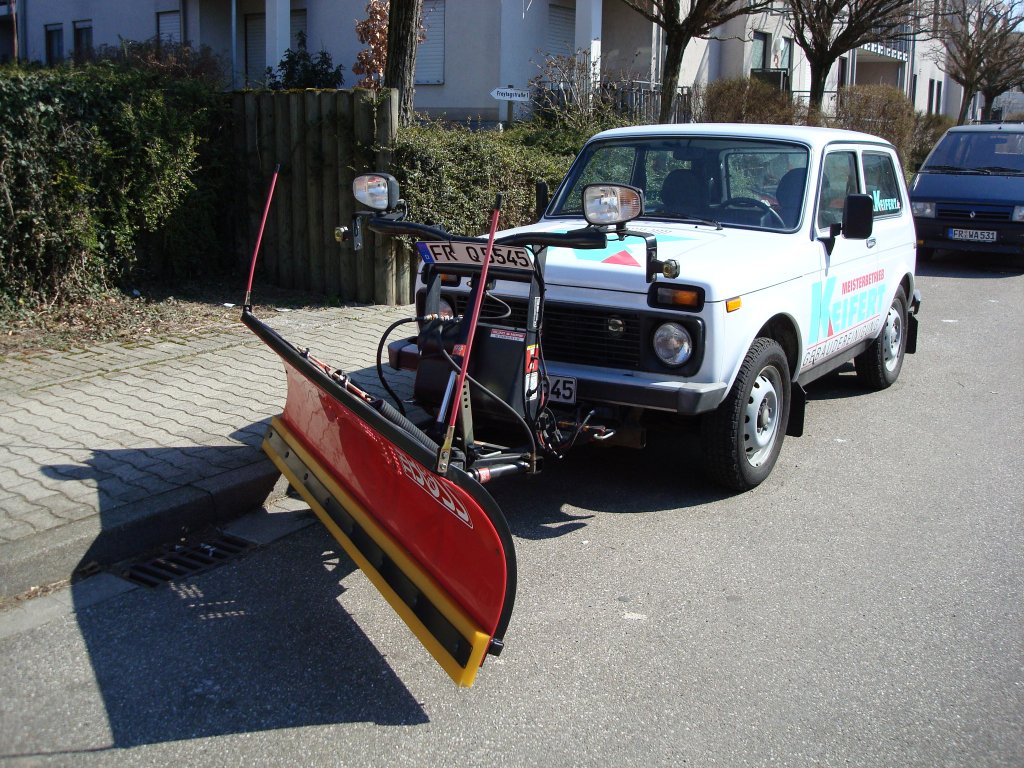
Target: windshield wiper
694, 219
947, 169
999, 169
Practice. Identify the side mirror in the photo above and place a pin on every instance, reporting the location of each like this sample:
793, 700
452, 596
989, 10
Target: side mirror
377, 191
858, 217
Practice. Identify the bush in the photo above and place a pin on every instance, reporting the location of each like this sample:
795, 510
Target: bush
450, 175
100, 173
743, 100
928, 129
300, 69
881, 110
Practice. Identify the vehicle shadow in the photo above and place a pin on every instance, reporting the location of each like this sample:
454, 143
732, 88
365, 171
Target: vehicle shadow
261, 645
664, 475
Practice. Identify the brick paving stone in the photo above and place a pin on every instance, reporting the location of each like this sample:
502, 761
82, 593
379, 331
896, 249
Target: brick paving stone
93, 431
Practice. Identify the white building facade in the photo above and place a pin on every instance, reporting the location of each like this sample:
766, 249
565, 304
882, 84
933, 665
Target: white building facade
472, 46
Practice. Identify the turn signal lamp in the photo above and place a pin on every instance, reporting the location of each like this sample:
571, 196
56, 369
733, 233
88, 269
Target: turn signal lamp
682, 298
733, 304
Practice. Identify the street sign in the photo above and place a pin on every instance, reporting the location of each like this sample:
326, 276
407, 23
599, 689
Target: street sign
510, 94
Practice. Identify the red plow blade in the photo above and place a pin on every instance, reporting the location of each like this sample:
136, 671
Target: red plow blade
437, 547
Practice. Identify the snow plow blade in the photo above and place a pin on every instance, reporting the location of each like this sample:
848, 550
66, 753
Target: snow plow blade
437, 547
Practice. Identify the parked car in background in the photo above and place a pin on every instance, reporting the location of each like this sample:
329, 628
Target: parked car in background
969, 193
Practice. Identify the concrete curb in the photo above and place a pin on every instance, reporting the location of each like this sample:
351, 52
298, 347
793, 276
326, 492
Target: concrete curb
56, 554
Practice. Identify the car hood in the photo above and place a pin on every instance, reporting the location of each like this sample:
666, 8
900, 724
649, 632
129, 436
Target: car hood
725, 263
968, 188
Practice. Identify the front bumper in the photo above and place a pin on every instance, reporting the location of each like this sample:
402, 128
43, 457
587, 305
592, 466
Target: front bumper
636, 389
935, 233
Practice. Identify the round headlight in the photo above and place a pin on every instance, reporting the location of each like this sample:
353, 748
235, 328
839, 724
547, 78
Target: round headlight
445, 309
672, 344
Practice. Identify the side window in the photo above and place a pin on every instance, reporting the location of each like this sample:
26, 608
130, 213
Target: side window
880, 182
838, 179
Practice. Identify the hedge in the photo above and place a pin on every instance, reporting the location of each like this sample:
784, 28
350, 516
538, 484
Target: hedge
105, 169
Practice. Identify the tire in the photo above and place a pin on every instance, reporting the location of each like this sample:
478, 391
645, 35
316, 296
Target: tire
879, 365
743, 437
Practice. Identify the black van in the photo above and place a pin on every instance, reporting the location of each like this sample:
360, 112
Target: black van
969, 194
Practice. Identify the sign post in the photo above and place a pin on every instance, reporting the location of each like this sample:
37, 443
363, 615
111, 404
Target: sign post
510, 94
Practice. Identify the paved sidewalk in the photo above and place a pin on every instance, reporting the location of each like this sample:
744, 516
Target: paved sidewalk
109, 451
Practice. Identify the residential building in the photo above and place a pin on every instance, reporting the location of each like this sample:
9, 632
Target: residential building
472, 47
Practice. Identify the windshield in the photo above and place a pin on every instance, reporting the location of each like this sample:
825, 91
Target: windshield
711, 180
984, 152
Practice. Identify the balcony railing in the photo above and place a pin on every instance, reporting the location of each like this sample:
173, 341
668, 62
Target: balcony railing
637, 100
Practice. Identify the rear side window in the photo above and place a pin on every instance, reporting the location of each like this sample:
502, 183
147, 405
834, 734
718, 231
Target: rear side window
880, 182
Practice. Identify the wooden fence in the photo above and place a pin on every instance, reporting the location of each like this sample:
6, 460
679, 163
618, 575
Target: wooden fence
321, 139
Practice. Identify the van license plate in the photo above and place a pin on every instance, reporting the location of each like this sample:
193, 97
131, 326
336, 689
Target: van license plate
562, 389
973, 235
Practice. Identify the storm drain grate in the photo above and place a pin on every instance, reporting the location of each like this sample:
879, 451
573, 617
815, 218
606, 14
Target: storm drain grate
185, 559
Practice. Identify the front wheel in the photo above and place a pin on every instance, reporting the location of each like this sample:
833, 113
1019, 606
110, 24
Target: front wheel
743, 436
879, 365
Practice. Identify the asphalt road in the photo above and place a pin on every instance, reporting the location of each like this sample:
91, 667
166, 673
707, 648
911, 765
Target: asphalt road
863, 607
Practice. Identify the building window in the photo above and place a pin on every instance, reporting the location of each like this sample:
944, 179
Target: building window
168, 27
430, 54
256, 43
913, 90
841, 80
54, 44
561, 31
759, 51
785, 56
938, 97
82, 46
931, 95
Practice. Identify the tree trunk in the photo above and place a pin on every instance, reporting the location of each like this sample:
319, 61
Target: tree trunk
965, 102
676, 46
990, 98
400, 66
819, 77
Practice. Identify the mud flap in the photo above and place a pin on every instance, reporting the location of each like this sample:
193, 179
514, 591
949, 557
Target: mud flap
437, 547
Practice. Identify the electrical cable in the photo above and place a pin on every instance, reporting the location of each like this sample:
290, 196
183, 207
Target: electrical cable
380, 367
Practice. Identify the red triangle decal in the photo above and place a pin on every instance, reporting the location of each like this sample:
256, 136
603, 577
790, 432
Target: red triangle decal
830, 331
622, 257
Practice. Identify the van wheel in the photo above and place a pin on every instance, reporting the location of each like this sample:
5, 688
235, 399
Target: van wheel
743, 436
879, 365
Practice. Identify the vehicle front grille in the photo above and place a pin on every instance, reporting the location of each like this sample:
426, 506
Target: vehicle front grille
976, 214
576, 334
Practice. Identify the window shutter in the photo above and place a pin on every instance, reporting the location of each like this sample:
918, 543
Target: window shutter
255, 48
168, 27
561, 31
430, 54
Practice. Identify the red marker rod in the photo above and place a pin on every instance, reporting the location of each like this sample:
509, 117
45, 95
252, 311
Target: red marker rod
259, 237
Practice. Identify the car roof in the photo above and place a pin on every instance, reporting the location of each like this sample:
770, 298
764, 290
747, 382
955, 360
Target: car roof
988, 128
814, 136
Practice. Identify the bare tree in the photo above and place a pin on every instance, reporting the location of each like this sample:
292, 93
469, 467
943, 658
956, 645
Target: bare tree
827, 29
682, 21
983, 49
405, 31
